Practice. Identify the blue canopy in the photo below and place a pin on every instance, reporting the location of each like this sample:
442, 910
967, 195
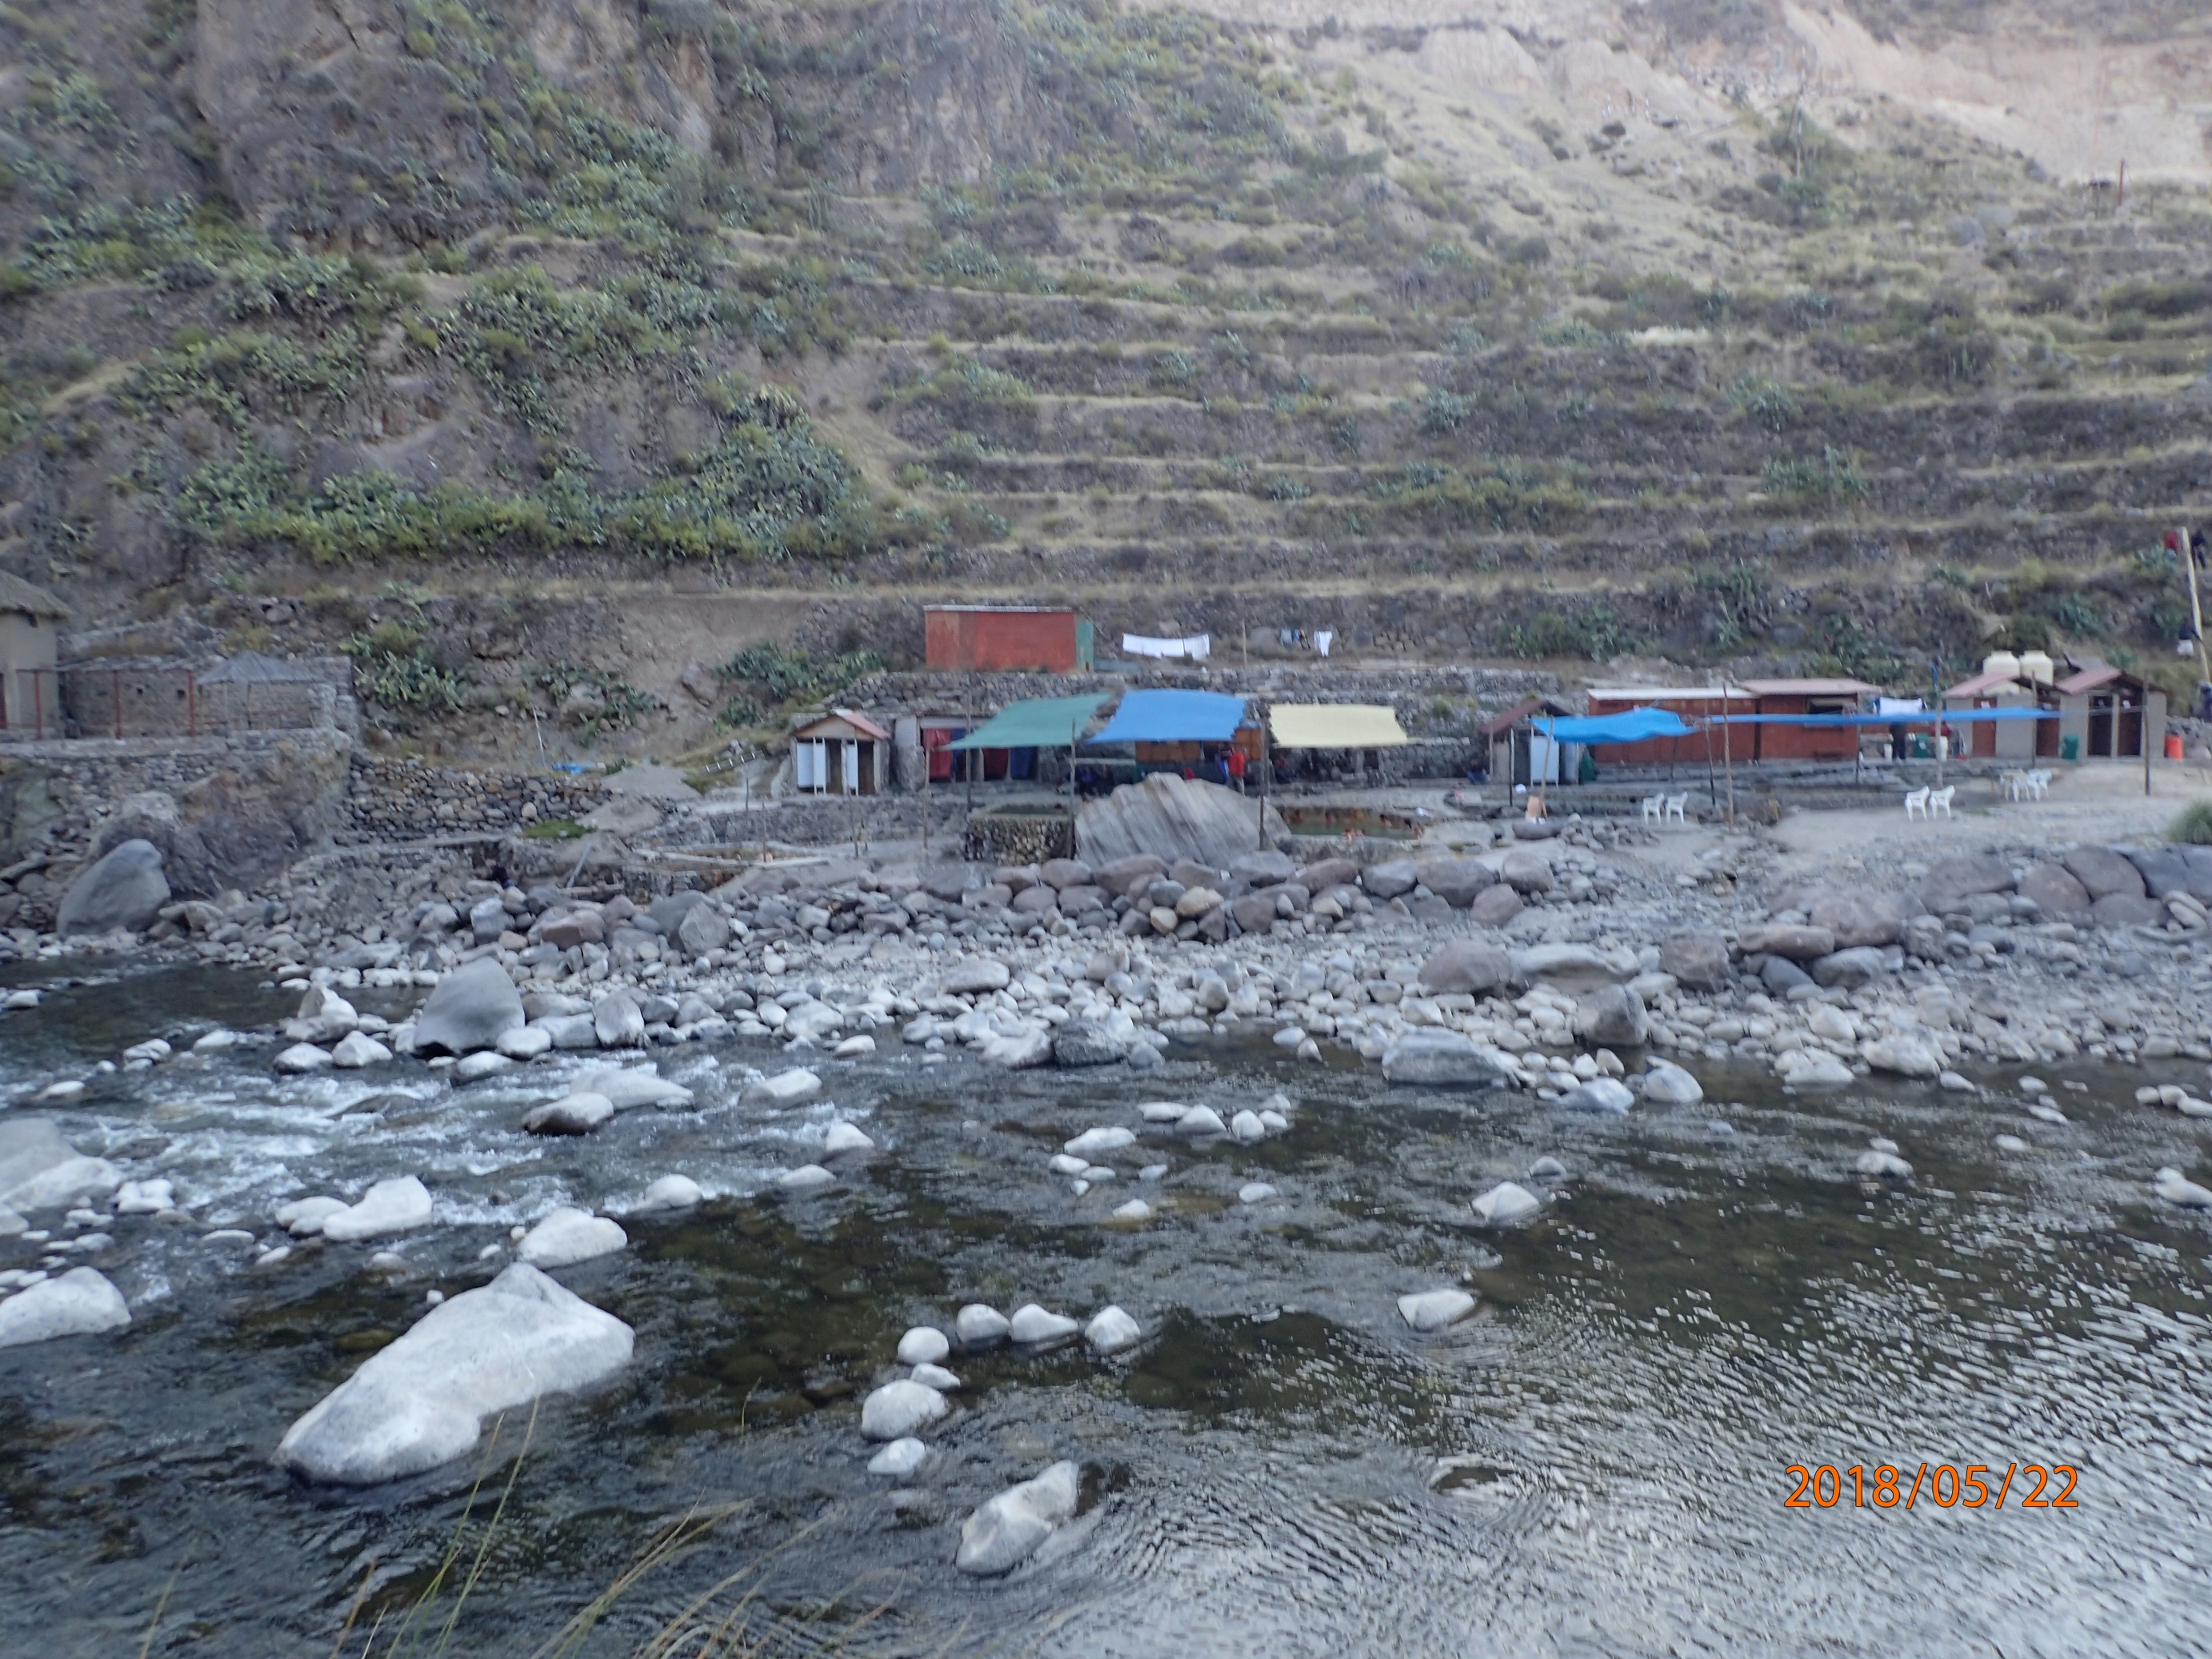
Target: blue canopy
1630, 725
1919, 717
1175, 717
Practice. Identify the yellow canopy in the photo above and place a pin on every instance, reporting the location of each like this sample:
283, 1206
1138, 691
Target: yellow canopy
1336, 726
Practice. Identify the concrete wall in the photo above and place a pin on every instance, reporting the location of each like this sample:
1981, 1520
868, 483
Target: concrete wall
27, 643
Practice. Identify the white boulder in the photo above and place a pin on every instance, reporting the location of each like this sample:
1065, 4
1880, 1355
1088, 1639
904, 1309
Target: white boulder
388, 1207
784, 1088
1092, 1142
899, 1458
357, 1049
423, 1401
671, 1192
568, 1236
846, 1138
78, 1304
2176, 1188
1006, 1530
924, 1345
1111, 1331
1431, 1311
978, 1326
806, 1178
303, 1058
1032, 1324
1505, 1203
627, 1087
1667, 1085
897, 1409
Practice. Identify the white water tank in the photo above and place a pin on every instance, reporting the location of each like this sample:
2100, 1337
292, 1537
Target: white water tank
2038, 666
2002, 662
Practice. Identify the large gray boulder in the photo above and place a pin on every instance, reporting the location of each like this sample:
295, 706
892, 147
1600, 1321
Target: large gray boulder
1575, 965
1439, 1059
1389, 879
2057, 892
2101, 870
1468, 964
1132, 874
701, 929
1457, 882
1699, 961
1495, 905
1173, 816
1861, 965
1947, 887
468, 1009
2169, 870
1799, 942
240, 824
1612, 1017
1526, 870
1085, 1042
126, 889
2127, 910
1267, 869
1325, 873
1870, 917
423, 1401
1255, 913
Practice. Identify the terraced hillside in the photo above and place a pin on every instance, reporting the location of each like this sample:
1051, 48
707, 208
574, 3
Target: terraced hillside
519, 347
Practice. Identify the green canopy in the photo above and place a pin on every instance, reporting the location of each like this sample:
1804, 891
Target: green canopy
1040, 722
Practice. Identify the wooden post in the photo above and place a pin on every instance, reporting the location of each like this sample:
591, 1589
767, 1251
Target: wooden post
115, 691
1728, 746
2196, 608
1266, 773
2143, 736
922, 732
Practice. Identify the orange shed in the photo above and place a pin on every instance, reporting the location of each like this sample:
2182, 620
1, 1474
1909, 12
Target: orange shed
996, 638
1690, 704
1807, 743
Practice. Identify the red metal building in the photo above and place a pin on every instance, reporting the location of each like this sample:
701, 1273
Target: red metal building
1805, 743
1690, 704
988, 638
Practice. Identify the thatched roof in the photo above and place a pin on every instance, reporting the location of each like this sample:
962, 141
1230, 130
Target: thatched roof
16, 594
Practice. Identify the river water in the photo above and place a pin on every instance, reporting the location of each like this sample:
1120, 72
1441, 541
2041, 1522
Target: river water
1594, 1463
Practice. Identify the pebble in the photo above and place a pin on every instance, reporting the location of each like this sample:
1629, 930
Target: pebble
303, 1058
806, 1178
1506, 1203
895, 1410
936, 1377
1201, 1120
145, 1197
2046, 1113
1247, 1127
68, 1089
2011, 1144
357, 1049
1254, 1192
1954, 1082
1163, 1111
1603, 1094
978, 1326
854, 1047
1883, 1165
845, 1137
1274, 1121
230, 1235
899, 1458
1031, 1325
473, 1068
1547, 1169
1135, 1210
1666, 1083
2033, 1086
923, 1345
785, 1088
1431, 1311
1153, 1172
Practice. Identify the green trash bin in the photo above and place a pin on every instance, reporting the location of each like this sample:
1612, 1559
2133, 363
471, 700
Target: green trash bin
2069, 747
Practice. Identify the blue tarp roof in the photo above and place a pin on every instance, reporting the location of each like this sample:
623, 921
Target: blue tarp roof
1923, 717
1630, 725
1175, 717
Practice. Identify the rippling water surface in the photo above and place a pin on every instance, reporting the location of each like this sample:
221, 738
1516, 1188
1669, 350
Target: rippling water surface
1592, 1463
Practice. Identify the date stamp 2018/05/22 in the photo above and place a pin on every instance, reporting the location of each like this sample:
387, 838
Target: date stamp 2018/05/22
1946, 1486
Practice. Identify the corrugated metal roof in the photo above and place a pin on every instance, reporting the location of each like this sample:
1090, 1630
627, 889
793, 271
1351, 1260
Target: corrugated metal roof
1055, 722
1988, 682
1006, 610
2094, 676
1336, 726
859, 723
1651, 694
1832, 688
16, 594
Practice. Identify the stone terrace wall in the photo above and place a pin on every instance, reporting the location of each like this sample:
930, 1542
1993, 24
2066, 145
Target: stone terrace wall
412, 800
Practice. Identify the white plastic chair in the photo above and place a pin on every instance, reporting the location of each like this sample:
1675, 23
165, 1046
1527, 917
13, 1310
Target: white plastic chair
1674, 806
1939, 801
2014, 784
1654, 809
1916, 801
2039, 781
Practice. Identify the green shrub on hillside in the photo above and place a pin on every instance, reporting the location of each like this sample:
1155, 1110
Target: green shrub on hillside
1832, 478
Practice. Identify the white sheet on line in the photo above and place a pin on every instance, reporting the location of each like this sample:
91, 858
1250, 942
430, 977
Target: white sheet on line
1197, 646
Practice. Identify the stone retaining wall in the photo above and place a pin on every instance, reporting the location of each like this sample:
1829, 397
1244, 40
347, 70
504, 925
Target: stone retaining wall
411, 800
